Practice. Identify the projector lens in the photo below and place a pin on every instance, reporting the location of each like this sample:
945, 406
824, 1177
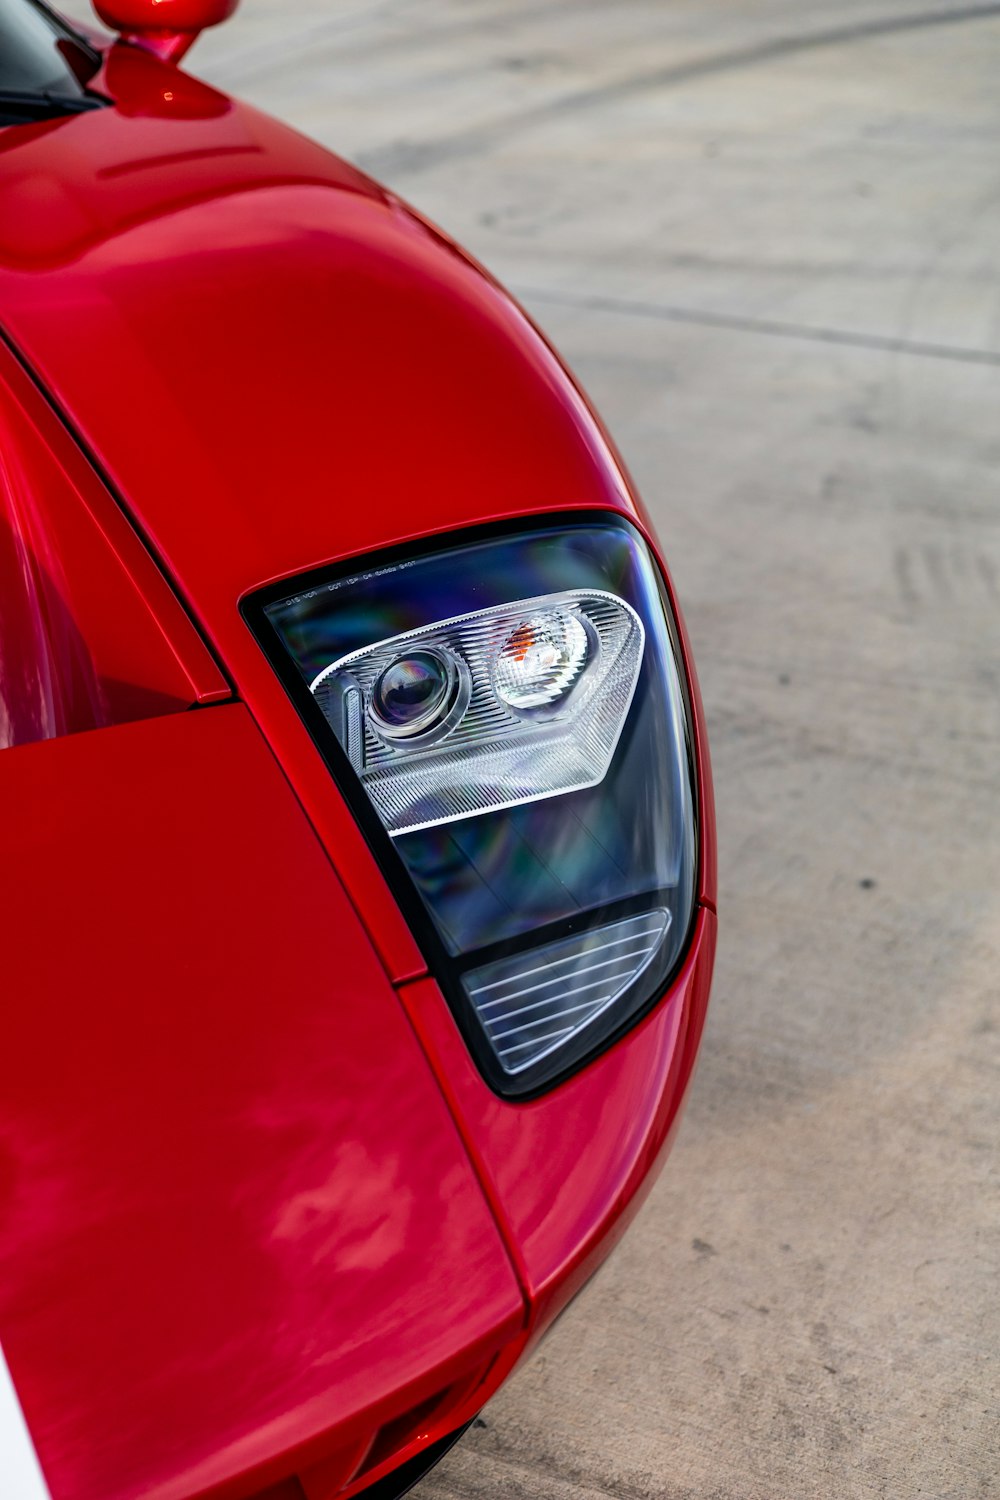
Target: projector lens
413, 694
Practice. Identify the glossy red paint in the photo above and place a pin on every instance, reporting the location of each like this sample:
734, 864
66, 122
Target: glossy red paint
567, 1171
233, 1201
166, 27
241, 290
90, 633
264, 1218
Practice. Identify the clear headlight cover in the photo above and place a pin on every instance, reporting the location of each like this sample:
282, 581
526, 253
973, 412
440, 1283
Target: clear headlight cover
508, 718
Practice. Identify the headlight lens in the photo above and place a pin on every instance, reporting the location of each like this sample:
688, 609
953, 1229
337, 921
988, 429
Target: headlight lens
509, 719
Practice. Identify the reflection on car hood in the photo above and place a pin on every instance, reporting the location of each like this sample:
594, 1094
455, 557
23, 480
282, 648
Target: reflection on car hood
234, 1210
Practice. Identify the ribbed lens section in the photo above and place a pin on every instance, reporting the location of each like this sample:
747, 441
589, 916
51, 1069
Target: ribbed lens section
493, 709
540, 1000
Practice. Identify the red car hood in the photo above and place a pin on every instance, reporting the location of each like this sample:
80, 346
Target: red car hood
276, 363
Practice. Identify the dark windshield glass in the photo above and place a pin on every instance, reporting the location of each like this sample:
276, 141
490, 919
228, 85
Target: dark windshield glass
38, 55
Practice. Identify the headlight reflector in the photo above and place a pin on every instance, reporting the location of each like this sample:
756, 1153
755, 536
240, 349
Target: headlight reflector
453, 712
540, 660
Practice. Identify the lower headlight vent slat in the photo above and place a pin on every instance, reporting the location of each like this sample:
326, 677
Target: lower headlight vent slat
535, 1002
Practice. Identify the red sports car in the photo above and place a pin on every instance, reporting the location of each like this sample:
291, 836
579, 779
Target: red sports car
359, 871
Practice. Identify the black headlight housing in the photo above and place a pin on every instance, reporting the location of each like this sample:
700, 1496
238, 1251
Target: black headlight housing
506, 712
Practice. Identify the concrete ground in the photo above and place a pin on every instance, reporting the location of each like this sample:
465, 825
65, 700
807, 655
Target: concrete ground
767, 235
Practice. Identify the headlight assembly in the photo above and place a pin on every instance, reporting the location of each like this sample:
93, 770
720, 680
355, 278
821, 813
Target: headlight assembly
508, 718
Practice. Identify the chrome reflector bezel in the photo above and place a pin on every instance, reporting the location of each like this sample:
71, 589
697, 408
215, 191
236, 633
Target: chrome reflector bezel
490, 756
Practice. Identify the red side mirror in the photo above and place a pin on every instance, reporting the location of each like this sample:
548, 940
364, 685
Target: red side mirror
166, 27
